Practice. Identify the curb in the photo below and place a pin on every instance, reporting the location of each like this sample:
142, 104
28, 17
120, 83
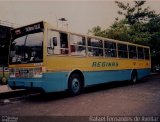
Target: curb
14, 93
153, 74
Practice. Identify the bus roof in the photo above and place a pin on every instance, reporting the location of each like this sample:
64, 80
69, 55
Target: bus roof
89, 36
97, 37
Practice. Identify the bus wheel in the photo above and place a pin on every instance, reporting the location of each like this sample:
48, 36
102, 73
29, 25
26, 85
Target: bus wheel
75, 84
134, 77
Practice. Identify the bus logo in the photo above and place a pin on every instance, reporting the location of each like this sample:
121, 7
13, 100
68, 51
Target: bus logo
105, 64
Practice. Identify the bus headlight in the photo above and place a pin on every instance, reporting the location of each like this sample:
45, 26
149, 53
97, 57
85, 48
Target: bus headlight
12, 75
37, 73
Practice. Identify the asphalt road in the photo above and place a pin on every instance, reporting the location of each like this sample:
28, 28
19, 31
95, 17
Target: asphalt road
113, 99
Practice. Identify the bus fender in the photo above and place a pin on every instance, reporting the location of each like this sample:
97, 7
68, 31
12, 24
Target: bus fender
77, 71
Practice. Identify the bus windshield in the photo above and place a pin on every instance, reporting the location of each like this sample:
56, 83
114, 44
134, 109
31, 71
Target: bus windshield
27, 49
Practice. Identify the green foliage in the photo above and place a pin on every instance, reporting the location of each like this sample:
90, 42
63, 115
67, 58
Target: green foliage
97, 31
140, 25
135, 14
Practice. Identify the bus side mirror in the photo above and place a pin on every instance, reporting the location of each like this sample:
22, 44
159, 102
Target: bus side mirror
54, 40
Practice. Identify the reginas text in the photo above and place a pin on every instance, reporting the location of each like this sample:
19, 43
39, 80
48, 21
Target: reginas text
105, 64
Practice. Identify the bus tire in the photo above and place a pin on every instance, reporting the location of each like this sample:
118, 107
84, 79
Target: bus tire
75, 84
134, 77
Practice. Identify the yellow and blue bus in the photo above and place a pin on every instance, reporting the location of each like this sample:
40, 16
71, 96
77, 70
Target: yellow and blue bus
50, 59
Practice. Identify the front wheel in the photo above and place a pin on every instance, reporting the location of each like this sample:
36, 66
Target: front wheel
75, 84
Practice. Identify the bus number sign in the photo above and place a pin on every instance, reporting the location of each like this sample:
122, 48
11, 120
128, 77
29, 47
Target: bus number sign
32, 28
28, 29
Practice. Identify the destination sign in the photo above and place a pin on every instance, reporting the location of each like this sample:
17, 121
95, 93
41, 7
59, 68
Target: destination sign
32, 28
28, 29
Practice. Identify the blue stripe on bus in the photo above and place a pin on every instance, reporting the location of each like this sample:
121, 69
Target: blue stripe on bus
50, 82
109, 76
58, 81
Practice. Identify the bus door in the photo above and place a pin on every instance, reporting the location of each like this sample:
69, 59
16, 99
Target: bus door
64, 43
57, 43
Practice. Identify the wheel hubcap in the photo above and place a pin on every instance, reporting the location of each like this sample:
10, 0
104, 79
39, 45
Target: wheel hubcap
75, 85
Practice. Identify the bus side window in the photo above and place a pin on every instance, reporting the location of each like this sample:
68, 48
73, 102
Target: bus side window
140, 53
95, 47
132, 52
77, 45
54, 41
146, 52
122, 51
110, 49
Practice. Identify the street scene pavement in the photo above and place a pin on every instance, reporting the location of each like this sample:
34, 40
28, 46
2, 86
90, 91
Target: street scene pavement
4, 88
113, 99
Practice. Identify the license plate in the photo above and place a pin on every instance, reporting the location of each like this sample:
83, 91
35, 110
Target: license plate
23, 71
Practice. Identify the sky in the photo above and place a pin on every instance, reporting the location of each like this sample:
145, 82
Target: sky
81, 15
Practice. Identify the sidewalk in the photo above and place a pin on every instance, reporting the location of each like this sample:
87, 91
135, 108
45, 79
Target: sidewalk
7, 92
5, 88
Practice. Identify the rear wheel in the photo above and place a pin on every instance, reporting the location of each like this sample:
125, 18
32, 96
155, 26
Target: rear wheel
134, 77
75, 84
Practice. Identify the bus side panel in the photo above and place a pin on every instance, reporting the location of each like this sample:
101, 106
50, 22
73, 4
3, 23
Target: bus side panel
58, 81
143, 72
97, 77
55, 81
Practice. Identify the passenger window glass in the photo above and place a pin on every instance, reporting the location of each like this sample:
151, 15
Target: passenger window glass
64, 43
77, 45
95, 42
146, 52
140, 53
110, 49
132, 52
122, 51
95, 47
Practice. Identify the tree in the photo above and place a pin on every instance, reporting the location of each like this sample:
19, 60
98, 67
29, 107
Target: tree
119, 30
135, 14
97, 31
140, 25
135, 25
154, 30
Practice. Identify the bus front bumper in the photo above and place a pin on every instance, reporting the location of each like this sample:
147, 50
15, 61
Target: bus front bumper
50, 82
29, 84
